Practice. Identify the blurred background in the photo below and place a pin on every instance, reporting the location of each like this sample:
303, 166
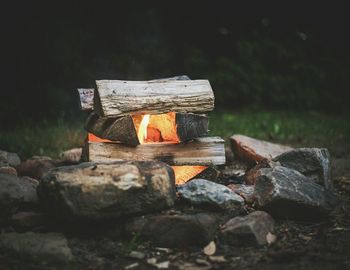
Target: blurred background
279, 69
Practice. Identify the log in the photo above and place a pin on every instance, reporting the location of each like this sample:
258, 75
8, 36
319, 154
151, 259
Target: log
115, 129
179, 127
86, 95
120, 98
201, 151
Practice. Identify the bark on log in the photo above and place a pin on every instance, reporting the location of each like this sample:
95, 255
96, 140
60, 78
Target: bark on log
115, 129
201, 151
119, 98
182, 126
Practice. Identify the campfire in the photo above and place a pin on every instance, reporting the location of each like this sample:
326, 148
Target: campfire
153, 120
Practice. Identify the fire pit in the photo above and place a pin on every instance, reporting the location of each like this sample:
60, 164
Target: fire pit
160, 120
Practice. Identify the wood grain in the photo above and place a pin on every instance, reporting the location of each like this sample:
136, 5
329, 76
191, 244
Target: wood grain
201, 151
114, 98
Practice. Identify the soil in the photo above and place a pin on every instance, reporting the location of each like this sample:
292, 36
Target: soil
324, 245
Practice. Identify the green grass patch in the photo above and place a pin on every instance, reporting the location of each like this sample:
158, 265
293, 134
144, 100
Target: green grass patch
295, 128
47, 138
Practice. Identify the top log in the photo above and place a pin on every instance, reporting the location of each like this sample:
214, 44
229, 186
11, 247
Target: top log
86, 95
115, 98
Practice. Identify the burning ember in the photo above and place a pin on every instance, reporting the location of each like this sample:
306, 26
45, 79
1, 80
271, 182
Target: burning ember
156, 128
159, 128
185, 173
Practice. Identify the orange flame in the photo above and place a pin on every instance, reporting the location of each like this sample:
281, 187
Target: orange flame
185, 173
156, 128
142, 132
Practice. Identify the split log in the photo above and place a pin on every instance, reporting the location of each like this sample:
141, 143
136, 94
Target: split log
177, 127
115, 129
119, 98
201, 151
86, 95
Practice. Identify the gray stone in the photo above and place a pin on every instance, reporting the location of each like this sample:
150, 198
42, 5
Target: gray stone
175, 230
287, 193
250, 230
108, 190
43, 248
15, 192
202, 192
254, 150
245, 191
312, 162
10, 159
11, 195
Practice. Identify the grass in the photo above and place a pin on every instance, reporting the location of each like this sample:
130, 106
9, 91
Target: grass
295, 128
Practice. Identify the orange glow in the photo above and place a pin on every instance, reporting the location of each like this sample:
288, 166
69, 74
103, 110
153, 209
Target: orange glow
185, 173
142, 132
156, 128
93, 138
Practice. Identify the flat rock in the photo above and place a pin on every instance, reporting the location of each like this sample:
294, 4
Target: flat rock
108, 190
312, 162
8, 158
175, 230
254, 150
285, 192
202, 192
250, 230
36, 167
8, 170
42, 248
243, 190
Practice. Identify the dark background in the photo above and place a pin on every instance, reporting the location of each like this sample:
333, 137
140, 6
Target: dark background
256, 54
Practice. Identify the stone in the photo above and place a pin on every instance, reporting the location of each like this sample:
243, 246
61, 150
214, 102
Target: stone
243, 190
311, 162
36, 167
16, 192
285, 192
234, 172
253, 173
11, 195
8, 170
42, 248
9, 159
29, 187
205, 193
175, 230
254, 150
28, 221
250, 230
98, 191
71, 156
